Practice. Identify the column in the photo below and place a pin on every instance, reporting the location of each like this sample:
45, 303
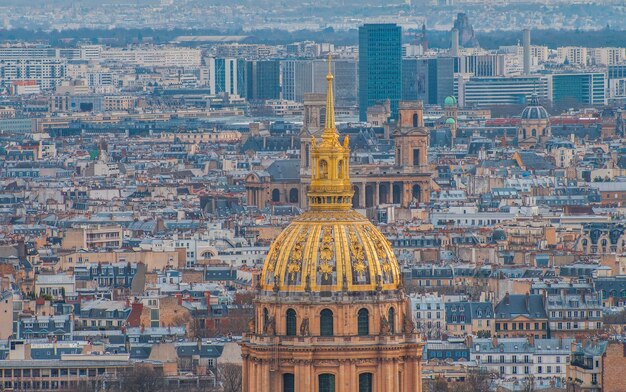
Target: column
389, 374
362, 191
265, 367
244, 374
376, 194
390, 193
406, 194
258, 368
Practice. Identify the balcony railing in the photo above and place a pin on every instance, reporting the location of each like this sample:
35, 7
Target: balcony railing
303, 341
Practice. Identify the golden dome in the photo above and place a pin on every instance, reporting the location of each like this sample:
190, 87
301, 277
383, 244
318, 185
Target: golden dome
331, 247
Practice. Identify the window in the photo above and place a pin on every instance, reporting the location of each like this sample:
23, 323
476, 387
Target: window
326, 382
326, 325
416, 157
363, 322
391, 317
289, 384
291, 322
365, 382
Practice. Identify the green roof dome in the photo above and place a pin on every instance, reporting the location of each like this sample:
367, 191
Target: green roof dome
449, 101
450, 121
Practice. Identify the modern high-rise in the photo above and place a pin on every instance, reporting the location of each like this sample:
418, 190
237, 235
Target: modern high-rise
440, 82
46, 72
579, 88
494, 91
414, 78
483, 65
430, 80
300, 77
296, 79
380, 66
226, 76
617, 81
263, 78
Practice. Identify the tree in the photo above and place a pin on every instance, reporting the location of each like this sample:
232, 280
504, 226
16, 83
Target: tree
141, 378
230, 377
439, 384
478, 380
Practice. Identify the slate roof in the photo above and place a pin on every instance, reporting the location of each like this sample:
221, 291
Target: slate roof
469, 310
285, 170
532, 161
514, 305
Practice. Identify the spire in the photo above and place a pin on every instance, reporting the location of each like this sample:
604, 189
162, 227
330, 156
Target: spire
330, 129
330, 182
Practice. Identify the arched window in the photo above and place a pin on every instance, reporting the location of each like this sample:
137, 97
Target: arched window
291, 322
293, 195
326, 323
289, 382
275, 195
534, 132
323, 169
391, 317
415, 120
326, 382
266, 318
365, 382
363, 322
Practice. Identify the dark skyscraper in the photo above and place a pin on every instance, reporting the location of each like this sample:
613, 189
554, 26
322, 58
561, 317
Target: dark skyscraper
440, 82
263, 80
380, 66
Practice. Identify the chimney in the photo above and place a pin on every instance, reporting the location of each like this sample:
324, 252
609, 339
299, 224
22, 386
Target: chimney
494, 341
207, 298
507, 299
179, 297
526, 43
531, 340
454, 47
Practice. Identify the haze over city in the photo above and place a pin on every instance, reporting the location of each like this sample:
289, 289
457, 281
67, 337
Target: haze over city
312, 196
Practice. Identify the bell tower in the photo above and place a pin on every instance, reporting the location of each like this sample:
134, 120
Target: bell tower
314, 119
411, 135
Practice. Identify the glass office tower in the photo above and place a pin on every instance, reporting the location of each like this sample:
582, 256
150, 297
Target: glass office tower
380, 66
